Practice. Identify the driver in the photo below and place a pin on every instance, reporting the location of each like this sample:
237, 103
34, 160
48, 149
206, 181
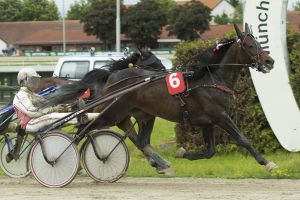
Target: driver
31, 114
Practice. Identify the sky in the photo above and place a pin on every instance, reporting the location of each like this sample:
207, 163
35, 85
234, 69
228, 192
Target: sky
69, 2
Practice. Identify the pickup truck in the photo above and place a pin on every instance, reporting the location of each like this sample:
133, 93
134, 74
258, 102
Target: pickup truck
75, 67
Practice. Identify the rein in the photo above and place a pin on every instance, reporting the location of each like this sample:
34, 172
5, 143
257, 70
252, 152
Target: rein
134, 77
252, 65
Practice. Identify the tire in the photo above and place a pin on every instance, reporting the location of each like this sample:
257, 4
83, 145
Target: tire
15, 168
64, 170
117, 163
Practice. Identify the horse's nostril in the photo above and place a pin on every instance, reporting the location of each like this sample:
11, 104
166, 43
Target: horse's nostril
270, 62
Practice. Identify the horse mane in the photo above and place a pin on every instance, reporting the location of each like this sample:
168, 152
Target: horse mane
209, 56
122, 63
152, 63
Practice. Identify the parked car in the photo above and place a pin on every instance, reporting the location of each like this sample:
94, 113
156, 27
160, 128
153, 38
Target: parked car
75, 67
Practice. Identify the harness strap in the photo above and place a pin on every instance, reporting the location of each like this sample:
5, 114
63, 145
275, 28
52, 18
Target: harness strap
218, 87
184, 113
225, 89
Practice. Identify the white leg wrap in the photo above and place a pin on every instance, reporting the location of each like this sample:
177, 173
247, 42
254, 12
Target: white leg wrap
36, 124
270, 166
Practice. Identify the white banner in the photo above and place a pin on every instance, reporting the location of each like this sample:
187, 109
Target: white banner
268, 21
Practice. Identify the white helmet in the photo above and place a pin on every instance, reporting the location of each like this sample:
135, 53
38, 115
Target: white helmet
28, 77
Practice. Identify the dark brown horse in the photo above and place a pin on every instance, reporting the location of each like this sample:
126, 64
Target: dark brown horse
95, 81
207, 106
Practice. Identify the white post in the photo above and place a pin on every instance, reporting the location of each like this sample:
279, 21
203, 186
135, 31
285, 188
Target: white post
268, 20
64, 26
118, 28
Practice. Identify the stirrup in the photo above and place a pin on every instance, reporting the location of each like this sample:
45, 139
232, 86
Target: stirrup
82, 118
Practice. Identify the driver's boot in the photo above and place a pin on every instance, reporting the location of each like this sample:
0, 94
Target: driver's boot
15, 153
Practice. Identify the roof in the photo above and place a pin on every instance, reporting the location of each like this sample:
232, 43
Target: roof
293, 20
218, 31
33, 32
50, 32
44, 32
209, 3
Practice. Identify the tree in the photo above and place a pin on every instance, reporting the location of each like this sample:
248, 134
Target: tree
189, 21
143, 23
238, 14
39, 10
10, 10
297, 6
234, 3
79, 9
100, 20
222, 19
168, 6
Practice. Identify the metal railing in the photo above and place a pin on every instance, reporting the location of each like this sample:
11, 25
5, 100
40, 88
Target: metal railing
24, 63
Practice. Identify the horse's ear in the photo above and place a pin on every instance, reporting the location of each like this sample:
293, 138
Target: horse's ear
238, 31
247, 29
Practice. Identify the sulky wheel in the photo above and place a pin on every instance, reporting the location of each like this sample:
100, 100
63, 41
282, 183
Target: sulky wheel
15, 168
61, 172
107, 144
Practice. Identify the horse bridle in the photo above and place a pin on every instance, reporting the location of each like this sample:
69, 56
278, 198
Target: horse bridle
256, 58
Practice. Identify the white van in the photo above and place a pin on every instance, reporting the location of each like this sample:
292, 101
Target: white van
75, 67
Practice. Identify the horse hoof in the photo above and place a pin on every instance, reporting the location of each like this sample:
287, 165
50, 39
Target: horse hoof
180, 152
167, 172
270, 166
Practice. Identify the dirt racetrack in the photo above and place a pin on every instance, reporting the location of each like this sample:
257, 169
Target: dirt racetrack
154, 189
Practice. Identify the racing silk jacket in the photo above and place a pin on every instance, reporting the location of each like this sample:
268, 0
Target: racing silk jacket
25, 103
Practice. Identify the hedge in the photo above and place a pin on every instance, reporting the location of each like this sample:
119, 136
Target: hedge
245, 109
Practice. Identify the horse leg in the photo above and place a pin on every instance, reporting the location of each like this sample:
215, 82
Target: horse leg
142, 142
127, 126
209, 139
225, 122
145, 130
108, 118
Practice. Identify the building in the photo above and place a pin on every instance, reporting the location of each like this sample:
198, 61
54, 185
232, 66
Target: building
46, 37
217, 7
42, 36
293, 21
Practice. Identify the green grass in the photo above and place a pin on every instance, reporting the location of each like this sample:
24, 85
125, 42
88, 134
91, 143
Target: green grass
227, 165
234, 166
230, 165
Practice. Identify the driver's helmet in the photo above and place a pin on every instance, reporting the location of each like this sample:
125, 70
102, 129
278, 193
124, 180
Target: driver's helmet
28, 77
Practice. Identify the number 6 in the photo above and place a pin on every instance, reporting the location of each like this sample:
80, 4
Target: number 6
174, 80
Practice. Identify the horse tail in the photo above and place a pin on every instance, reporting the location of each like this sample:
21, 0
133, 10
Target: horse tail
72, 90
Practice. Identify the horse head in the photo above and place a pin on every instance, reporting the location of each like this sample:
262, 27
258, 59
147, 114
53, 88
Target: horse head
252, 52
150, 61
